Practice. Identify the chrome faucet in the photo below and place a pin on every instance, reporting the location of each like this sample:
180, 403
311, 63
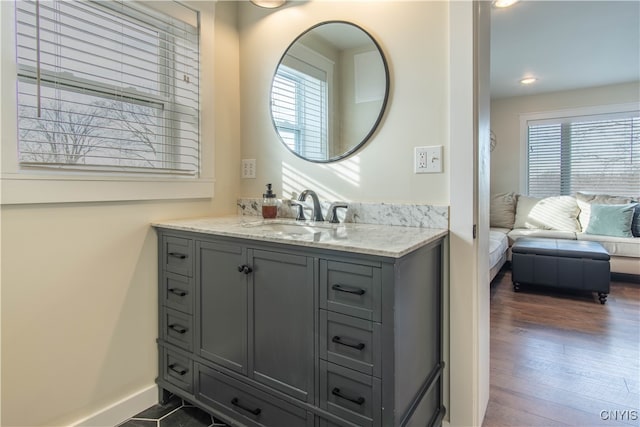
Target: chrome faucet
332, 215
317, 211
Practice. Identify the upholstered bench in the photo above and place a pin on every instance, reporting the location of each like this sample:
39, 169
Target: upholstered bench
560, 263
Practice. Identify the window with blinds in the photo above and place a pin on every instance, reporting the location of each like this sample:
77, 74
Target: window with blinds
299, 107
109, 85
598, 154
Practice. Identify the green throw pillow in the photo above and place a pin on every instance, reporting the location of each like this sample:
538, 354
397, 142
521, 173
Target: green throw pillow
611, 220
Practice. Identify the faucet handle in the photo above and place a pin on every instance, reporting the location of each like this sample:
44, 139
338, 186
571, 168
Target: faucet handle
332, 215
300, 205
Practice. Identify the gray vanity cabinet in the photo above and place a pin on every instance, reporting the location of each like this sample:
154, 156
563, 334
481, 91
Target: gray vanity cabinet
270, 334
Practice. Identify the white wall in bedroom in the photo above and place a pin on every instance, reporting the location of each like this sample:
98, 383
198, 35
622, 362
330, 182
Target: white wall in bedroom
505, 123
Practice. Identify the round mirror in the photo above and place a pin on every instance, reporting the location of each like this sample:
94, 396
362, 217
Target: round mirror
329, 91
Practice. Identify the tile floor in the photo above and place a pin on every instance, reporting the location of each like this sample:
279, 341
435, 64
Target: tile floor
176, 413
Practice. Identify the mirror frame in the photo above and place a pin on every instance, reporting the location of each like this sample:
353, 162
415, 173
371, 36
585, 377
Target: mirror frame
383, 107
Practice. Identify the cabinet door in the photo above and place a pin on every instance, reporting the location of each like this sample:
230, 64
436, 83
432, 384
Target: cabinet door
221, 311
281, 318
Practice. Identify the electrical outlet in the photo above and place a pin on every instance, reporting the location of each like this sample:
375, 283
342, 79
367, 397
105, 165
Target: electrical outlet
427, 159
248, 168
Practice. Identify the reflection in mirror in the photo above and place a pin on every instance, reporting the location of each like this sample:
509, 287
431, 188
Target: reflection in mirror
329, 91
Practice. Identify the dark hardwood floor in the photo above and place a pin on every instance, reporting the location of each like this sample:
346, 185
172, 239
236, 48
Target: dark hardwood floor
562, 358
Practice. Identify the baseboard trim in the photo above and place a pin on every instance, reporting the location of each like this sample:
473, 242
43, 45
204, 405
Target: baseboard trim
119, 411
625, 277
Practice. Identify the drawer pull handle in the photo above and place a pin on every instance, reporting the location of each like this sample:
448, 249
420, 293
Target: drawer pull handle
244, 269
236, 402
179, 329
348, 289
177, 255
177, 369
178, 292
338, 340
356, 400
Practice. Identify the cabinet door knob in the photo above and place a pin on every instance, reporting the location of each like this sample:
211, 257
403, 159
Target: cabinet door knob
236, 402
356, 400
244, 269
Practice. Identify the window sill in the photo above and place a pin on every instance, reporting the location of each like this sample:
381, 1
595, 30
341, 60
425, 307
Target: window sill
28, 189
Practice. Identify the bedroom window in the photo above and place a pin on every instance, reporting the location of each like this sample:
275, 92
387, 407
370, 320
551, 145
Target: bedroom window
108, 86
594, 153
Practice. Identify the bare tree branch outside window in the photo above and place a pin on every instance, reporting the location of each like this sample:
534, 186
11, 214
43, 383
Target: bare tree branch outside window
61, 135
93, 134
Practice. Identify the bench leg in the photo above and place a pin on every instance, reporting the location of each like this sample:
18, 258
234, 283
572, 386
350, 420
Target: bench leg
602, 296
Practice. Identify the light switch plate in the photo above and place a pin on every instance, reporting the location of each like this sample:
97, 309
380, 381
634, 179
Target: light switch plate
427, 159
248, 168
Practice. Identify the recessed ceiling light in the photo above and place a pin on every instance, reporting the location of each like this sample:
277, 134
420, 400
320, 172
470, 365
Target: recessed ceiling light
528, 80
269, 4
504, 3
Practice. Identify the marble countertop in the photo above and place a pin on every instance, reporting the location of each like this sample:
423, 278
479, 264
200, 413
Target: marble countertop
370, 239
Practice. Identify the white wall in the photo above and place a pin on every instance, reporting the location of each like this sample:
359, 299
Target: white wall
505, 122
413, 37
79, 280
79, 306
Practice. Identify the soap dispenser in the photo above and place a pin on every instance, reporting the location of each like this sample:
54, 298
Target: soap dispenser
269, 204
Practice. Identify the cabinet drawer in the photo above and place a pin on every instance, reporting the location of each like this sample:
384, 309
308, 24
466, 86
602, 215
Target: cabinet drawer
178, 328
351, 395
177, 369
350, 342
177, 292
246, 404
177, 255
352, 289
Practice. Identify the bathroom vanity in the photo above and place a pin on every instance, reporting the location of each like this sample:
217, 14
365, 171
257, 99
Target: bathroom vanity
278, 323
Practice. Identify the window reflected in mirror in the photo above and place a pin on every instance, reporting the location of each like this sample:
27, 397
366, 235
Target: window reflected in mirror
329, 92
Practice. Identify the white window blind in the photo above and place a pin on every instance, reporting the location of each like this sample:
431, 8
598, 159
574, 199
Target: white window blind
300, 109
109, 85
590, 153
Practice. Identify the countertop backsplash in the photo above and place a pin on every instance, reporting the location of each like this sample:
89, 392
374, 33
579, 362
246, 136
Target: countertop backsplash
408, 215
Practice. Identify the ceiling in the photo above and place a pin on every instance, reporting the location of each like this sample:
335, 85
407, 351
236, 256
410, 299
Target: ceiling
564, 44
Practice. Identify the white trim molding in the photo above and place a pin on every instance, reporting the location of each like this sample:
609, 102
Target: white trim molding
34, 190
124, 409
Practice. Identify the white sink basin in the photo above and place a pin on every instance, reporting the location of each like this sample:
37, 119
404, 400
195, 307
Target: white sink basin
292, 229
